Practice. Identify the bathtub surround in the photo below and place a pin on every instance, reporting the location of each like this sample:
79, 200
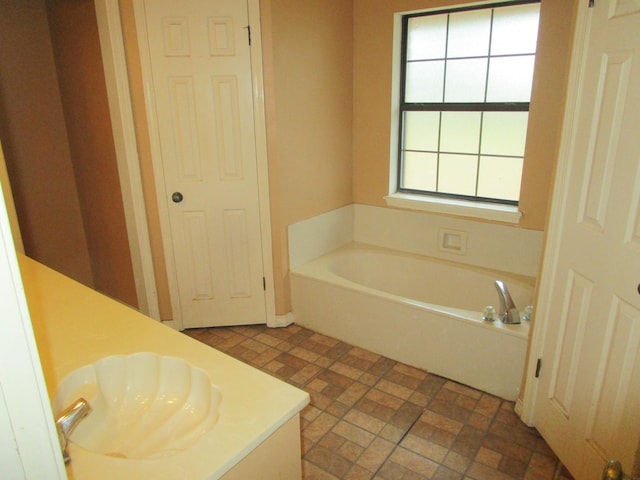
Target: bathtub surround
425, 333
423, 312
320, 235
496, 247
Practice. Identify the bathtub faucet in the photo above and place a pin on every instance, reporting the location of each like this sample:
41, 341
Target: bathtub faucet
508, 311
68, 420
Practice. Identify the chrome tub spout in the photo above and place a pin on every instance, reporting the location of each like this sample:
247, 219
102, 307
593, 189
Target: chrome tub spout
508, 311
68, 420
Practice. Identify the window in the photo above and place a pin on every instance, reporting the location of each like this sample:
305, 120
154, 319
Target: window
465, 88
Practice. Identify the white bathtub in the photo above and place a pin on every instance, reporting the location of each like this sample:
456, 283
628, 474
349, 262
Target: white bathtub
417, 310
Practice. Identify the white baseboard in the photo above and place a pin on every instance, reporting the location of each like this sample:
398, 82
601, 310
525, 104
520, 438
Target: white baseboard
283, 320
518, 408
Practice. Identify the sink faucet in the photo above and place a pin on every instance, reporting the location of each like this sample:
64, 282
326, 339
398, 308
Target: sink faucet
508, 310
68, 420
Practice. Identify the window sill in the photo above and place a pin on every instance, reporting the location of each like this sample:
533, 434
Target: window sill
485, 211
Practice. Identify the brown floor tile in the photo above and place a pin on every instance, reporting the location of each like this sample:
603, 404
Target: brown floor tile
449, 409
371, 417
468, 441
489, 457
414, 462
312, 472
442, 422
318, 427
353, 393
424, 447
392, 433
346, 370
512, 467
391, 471
478, 471
541, 467
358, 473
444, 473
351, 432
329, 461
457, 462
351, 451
362, 420
376, 454
337, 409
479, 421
506, 447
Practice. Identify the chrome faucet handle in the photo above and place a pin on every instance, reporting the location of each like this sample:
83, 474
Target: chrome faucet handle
68, 420
489, 313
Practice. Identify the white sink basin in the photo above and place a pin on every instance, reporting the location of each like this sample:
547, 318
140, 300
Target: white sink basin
144, 405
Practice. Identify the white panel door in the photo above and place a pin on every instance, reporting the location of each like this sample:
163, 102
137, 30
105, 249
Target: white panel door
201, 69
587, 404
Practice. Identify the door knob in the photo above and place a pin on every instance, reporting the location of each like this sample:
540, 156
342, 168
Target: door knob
613, 471
176, 197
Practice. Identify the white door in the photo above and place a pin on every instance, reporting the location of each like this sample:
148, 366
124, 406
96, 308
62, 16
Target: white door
201, 74
587, 404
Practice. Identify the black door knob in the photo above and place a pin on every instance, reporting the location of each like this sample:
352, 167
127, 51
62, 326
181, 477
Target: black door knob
176, 197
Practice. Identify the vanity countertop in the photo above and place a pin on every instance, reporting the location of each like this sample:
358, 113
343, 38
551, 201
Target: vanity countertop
75, 326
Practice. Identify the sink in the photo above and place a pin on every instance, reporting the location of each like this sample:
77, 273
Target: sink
144, 405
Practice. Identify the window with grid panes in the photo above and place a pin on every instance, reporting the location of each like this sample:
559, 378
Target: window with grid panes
464, 101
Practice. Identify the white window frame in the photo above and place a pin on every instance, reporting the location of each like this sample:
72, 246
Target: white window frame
435, 204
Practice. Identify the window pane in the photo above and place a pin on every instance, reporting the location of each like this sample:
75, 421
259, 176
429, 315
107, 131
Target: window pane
515, 29
467, 57
419, 171
424, 81
504, 133
460, 132
510, 79
466, 80
469, 34
421, 131
427, 37
499, 177
457, 174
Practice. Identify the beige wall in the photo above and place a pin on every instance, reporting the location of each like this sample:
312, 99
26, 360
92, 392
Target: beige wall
56, 129
74, 32
34, 139
308, 88
373, 33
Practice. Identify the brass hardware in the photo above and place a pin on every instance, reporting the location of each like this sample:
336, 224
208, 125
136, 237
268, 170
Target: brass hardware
613, 471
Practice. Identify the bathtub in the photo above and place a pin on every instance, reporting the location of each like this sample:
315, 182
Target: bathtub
420, 311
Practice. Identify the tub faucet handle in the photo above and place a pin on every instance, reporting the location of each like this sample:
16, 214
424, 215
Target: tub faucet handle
489, 314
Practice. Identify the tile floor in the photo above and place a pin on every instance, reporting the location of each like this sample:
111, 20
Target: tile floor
374, 418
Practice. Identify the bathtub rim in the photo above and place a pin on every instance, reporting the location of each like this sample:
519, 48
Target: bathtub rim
312, 270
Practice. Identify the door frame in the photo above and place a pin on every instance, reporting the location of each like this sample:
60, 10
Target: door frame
123, 127
112, 44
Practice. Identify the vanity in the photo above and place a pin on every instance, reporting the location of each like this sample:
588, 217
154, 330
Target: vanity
256, 433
